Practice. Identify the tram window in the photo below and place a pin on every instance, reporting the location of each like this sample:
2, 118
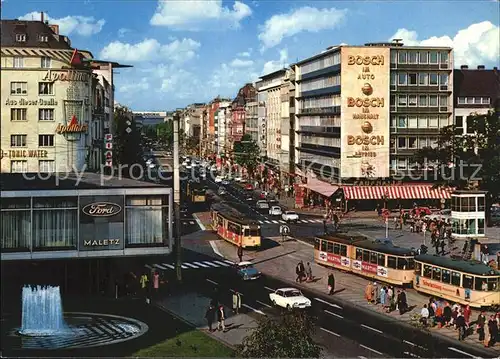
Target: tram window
336, 248
468, 281
445, 276
411, 263
427, 271
343, 250
329, 249
480, 284
359, 254
323, 245
316, 244
418, 268
381, 260
492, 284
366, 256
402, 263
436, 273
392, 262
373, 257
455, 279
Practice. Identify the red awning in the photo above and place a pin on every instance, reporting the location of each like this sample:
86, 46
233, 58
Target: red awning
323, 188
396, 192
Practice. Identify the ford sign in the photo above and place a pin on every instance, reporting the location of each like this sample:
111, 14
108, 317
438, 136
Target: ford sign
102, 209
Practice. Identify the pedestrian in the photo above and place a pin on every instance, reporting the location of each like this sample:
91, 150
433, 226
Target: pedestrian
144, 280
480, 323
156, 283
236, 302
210, 316
331, 284
240, 253
309, 272
221, 317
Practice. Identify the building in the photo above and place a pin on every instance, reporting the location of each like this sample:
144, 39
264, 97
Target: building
49, 121
475, 91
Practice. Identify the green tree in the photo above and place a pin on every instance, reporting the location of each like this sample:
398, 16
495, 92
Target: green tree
468, 161
289, 336
247, 153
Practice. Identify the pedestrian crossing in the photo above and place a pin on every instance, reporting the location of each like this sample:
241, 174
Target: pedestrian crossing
191, 265
280, 221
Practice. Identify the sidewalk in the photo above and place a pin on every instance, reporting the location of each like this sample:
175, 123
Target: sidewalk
280, 262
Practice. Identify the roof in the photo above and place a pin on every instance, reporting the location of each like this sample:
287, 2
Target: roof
32, 30
473, 82
470, 267
65, 181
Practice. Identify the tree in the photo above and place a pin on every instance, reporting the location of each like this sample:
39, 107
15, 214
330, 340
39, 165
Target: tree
289, 336
127, 141
470, 161
246, 153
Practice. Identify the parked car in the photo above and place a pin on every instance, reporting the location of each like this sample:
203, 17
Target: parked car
262, 204
289, 298
246, 271
275, 211
218, 179
290, 216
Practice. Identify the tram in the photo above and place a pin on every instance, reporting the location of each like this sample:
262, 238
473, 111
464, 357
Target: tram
359, 255
233, 227
464, 282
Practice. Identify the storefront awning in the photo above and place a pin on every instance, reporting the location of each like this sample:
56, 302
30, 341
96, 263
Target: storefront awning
395, 192
324, 189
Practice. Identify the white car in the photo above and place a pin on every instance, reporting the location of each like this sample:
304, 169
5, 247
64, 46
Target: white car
289, 298
290, 216
218, 179
275, 211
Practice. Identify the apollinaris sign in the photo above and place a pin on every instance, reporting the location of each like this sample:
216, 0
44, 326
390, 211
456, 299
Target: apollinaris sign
365, 108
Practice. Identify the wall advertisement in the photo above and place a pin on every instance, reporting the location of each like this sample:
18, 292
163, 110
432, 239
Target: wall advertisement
365, 109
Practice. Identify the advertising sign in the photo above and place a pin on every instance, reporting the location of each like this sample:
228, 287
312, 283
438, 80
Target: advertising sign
365, 111
101, 223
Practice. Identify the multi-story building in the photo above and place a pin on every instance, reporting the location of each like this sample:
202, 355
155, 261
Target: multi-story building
475, 92
49, 121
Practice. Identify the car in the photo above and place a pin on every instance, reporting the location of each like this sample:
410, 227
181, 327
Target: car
246, 271
289, 298
290, 216
275, 211
225, 182
249, 187
218, 179
262, 204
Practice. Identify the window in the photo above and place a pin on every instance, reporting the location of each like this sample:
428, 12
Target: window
468, 281
412, 100
412, 79
18, 166
18, 62
455, 279
18, 114
412, 142
412, 57
433, 57
45, 62
402, 142
17, 140
18, 88
443, 79
412, 121
401, 79
433, 79
20, 37
422, 79
422, 122
402, 57
402, 122
433, 100
402, 100
46, 114
46, 140
47, 166
45, 88
443, 58
422, 57
422, 100
459, 121
443, 101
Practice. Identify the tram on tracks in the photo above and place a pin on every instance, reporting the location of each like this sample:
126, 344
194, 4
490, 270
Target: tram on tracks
233, 227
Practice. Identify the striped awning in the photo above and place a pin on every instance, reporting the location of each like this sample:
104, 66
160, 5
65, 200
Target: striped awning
396, 192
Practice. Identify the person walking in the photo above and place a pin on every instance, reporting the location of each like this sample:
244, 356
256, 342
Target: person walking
331, 284
210, 316
236, 302
240, 253
221, 317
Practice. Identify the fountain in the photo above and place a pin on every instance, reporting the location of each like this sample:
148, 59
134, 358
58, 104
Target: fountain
42, 313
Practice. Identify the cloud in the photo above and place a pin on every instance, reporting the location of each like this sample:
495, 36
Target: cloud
309, 19
151, 50
80, 25
241, 63
275, 65
197, 15
475, 45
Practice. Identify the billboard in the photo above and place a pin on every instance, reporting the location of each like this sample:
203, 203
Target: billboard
365, 77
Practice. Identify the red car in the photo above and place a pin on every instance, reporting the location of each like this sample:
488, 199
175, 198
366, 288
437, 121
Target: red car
249, 187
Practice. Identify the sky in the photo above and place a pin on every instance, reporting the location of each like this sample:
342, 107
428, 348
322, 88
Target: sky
187, 51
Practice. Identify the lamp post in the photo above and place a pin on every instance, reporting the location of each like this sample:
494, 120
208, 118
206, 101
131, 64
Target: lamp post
177, 200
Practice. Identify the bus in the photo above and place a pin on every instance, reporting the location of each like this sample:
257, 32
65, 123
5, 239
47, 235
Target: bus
464, 282
357, 254
233, 227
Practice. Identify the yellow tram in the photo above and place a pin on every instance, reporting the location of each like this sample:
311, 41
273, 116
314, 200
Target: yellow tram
233, 227
460, 281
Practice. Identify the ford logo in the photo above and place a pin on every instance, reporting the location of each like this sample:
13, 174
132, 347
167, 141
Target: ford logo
101, 209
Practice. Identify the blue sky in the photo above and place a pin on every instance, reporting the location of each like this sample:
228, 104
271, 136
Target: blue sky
191, 51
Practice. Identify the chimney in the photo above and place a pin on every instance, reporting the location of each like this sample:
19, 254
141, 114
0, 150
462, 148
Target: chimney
480, 67
41, 17
54, 28
464, 67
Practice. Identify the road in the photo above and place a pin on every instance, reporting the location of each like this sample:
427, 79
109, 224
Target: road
344, 329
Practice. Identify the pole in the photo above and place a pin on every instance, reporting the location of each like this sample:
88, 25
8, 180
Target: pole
177, 200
